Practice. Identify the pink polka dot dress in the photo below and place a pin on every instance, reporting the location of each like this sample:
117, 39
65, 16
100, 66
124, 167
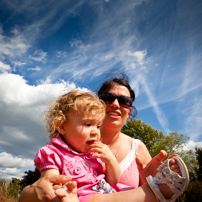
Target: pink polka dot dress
129, 172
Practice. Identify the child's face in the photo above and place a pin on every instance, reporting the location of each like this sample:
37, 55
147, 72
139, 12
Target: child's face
81, 131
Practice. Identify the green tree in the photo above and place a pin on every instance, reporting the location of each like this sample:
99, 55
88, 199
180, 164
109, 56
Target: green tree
30, 177
156, 141
194, 190
138, 129
171, 143
198, 152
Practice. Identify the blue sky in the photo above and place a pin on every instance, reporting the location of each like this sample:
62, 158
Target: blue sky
49, 46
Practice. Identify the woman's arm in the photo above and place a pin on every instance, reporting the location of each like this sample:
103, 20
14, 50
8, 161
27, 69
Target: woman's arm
143, 153
42, 190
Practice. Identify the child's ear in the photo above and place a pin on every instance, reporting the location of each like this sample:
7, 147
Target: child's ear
61, 129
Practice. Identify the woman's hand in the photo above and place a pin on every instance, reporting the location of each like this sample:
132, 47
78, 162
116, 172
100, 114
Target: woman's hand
151, 167
42, 190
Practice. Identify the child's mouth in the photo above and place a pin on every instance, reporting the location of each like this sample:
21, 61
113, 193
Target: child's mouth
90, 142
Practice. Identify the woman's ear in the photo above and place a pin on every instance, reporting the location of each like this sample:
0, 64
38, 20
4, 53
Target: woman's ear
129, 112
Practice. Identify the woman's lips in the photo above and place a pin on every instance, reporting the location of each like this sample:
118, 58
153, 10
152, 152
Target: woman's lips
113, 113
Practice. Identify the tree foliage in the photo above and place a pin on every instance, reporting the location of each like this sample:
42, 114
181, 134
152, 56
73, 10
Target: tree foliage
198, 152
194, 190
30, 177
138, 129
156, 141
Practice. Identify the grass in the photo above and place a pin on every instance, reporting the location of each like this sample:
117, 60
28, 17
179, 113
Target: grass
6, 196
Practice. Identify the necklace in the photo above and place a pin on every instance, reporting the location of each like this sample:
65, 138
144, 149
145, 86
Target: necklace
118, 149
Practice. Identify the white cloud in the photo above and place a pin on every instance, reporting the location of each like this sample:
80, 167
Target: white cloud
14, 133
4, 67
39, 56
76, 43
14, 167
12, 46
37, 68
193, 122
15, 90
155, 105
9, 173
10, 161
18, 63
140, 56
191, 145
61, 54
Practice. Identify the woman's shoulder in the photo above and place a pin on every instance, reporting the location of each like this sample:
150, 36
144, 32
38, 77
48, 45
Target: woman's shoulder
130, 139
142, 146
126, 139
143, 153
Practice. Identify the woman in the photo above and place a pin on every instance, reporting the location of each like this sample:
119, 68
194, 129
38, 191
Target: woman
118, 96
125, 148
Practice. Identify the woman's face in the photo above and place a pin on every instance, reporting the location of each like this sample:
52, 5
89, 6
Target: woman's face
116, 115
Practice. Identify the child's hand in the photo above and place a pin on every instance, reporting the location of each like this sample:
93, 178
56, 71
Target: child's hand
67, 192
103, 152
112, 169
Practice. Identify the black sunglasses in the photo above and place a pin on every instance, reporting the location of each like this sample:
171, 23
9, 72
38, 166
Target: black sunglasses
109, 98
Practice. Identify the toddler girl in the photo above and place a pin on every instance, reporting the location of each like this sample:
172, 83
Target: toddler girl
73, 122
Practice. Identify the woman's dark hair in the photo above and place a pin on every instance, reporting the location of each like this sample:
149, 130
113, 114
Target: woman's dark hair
123, 81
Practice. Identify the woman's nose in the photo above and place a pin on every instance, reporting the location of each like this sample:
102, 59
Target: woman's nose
115, 103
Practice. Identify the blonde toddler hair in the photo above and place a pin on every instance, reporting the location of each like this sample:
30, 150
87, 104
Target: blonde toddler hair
82, 103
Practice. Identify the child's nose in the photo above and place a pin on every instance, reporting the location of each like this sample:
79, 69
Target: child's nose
94, 132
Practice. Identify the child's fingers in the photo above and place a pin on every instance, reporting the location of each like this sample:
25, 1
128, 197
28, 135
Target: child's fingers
96, 145
70, 185
98, 150
68, 192
94, 156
